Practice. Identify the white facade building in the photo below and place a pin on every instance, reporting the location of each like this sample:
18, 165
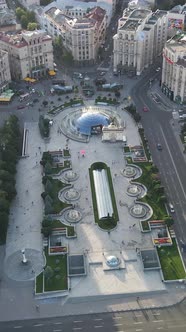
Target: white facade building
3, 4
139, 40
81, 36
30, 53
5, 77
174, 68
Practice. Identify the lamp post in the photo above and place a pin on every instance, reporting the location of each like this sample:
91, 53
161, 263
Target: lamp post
24, 260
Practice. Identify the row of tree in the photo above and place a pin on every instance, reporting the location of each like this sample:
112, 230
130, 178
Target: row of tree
10, 143
27, 19
44, 126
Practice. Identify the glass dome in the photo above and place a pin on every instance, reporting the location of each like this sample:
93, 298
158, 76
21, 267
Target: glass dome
113, 261
87, 121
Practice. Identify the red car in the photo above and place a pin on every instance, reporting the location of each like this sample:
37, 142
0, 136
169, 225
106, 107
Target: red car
145, 109
20, 107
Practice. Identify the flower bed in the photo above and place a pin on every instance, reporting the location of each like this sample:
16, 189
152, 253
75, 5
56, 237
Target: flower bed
162, 241
55, 250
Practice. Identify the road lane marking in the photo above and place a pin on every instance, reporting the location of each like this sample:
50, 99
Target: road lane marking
58, 323
98, 326
98, 318
77, 328
138, 323
77, 321
157, 321
18, 327
137, 330
118, 324
117, 317
173, 162
37, 325
160, 328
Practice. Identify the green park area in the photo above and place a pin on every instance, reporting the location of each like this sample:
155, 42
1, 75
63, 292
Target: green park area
109, 222
171, 263
54, 277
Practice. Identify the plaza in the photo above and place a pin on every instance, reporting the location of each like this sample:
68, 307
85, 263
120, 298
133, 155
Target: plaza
95, 244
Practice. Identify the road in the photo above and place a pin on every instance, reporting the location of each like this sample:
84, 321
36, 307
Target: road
170, 161
171, 319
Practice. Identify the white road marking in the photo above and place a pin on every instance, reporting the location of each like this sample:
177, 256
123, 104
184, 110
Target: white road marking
57, 330
77, 321
37, 325
157, 314
175, 326
138, 323
117, 317
17, 327
58, 323
137, 330
117, 324
157, 321
98, 326
98, 319
77, 328
160, 328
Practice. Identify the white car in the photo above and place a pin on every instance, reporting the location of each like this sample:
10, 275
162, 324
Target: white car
158, 69
171, 207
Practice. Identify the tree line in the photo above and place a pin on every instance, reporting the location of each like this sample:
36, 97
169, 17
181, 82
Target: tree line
27, 19
10, 143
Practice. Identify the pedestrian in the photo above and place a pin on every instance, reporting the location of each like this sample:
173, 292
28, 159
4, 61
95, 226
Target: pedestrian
37, 307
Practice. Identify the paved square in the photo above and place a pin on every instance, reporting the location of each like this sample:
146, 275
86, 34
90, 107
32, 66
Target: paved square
27, 214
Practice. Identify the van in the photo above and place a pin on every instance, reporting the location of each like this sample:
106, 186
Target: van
171, 208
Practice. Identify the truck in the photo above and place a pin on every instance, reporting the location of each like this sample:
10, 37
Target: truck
63, 89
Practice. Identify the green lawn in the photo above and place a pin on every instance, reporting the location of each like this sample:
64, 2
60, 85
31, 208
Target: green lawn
145, 143
39, 283
145, 225
66, 152
152, 197
58, 224
171, 263
109, 223
56, 170
58, 262
126, 149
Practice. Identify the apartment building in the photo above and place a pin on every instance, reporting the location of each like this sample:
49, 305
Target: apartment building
28, 3
30, 53
140, 38
3, 4
5, 77
81, 36
174, 68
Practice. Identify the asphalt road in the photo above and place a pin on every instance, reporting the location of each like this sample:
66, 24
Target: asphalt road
171, 319
170, 161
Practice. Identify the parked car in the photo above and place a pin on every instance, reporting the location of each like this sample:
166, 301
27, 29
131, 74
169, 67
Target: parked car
145, 109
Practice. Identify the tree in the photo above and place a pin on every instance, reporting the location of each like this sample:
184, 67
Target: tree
46, 229
24, 21
32, 26
19, 12
169, 221
48, 205
48, 187
48, 272
3, 226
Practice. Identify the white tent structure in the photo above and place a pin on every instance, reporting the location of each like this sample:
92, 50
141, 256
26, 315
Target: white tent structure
103, 196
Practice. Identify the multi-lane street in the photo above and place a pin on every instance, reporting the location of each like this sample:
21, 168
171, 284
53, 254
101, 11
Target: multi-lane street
159, 128
169, 319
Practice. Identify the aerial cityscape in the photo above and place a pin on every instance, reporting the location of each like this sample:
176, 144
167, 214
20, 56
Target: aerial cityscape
92, 165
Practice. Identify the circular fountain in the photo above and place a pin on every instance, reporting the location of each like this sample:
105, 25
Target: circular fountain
134, 190
112, 261
70, 176
139, 210
129, 171
71, 194
72, 215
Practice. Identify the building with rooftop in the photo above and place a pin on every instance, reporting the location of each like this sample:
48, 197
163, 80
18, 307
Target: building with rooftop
3, 4
7, 20
28, 3
82, 36
174, 68
30, 53
5, 77
140, 38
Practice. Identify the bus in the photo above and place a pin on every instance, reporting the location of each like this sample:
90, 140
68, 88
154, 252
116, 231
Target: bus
23, 97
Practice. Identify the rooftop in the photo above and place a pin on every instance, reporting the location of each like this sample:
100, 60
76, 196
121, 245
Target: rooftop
18, 40
140, 13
